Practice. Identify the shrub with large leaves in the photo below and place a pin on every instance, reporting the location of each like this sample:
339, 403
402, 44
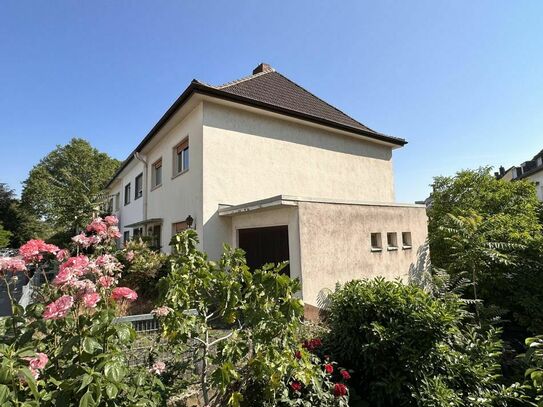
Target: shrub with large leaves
407, 348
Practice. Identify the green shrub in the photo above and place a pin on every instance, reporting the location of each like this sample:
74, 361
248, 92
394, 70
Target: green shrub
407, 348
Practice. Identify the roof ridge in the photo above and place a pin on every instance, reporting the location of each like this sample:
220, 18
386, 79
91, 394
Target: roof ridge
242, 79
325, 102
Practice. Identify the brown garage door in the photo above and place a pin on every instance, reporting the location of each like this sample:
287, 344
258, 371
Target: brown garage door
265, 245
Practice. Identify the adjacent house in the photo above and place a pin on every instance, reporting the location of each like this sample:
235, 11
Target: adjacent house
531, 170
263, 164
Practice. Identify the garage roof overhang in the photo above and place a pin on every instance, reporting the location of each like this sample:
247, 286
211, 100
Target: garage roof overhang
290, 201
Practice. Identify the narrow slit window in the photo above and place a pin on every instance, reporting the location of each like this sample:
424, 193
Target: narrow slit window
406, 240
392, 241
138, 192
157, 173
127, 194
181, 157
376, 243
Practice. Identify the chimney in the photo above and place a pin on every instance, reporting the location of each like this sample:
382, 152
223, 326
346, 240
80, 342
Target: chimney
502, 170
263, 67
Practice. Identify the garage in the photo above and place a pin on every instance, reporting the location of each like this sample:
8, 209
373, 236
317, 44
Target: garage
265, 245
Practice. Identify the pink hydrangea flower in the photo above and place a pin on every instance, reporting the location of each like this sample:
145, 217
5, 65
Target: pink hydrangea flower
120, 293
63, 255
38, 362
91, 299
108, 263
97, 226
161, 311
111, 220
12, 264
33, 250
106, 281
158, 368
59, 308
82, 240
113, 232
129, 256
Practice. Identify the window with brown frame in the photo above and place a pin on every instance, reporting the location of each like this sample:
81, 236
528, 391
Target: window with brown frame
179, 227
181, 157
157, 173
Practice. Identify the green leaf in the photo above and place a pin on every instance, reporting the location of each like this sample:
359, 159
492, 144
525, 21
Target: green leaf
111, 390
114, 371
87, 379
30, 381
4, 393
235, 399
87, 400
90, 345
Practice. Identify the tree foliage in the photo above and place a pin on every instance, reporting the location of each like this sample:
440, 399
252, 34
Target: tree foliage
64, 187
490, 229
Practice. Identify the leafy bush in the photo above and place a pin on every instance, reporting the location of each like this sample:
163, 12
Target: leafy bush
257, 360
66, 349
406, 348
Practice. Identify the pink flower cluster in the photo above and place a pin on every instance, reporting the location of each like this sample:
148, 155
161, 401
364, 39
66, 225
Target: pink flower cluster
34, 250
12, 264
158, 368
37, 363
161, 311
59, 308
101, 231
82, 282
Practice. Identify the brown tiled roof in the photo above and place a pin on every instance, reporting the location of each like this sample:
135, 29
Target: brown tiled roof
268, 89
275, 89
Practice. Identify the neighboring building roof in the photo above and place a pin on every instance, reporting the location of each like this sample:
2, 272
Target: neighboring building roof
269, 90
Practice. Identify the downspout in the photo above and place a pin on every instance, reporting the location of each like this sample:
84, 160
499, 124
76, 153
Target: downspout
139, 158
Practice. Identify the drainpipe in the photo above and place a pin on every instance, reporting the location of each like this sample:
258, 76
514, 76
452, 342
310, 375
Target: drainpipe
139, 158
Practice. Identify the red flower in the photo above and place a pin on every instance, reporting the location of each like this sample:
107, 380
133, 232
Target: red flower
298, 354
312, 344
296, 386
329, 368
340, 390
345, 374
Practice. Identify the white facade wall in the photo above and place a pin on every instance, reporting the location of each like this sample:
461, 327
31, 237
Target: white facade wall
179, 195
249, 156
133, 212
538, 179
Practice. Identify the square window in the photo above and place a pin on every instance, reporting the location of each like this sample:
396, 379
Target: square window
392, 241
406, 240
157, 173
376, 243
127, 194
138, 192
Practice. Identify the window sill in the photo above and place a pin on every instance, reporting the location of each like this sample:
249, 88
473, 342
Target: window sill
391, 249
156, 187
180, 173
137, 197
407, 247
376, 249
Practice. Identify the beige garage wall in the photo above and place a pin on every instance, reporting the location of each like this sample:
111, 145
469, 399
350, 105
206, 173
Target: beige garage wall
335, 244
248, 156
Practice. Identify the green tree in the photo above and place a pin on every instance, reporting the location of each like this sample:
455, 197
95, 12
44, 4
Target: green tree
64, 187
19, 222
5, 236
489, 229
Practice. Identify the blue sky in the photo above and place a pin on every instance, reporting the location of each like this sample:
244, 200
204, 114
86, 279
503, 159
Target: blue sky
462, 81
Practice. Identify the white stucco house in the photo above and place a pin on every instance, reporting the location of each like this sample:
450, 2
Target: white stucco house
262, 164
531, 170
